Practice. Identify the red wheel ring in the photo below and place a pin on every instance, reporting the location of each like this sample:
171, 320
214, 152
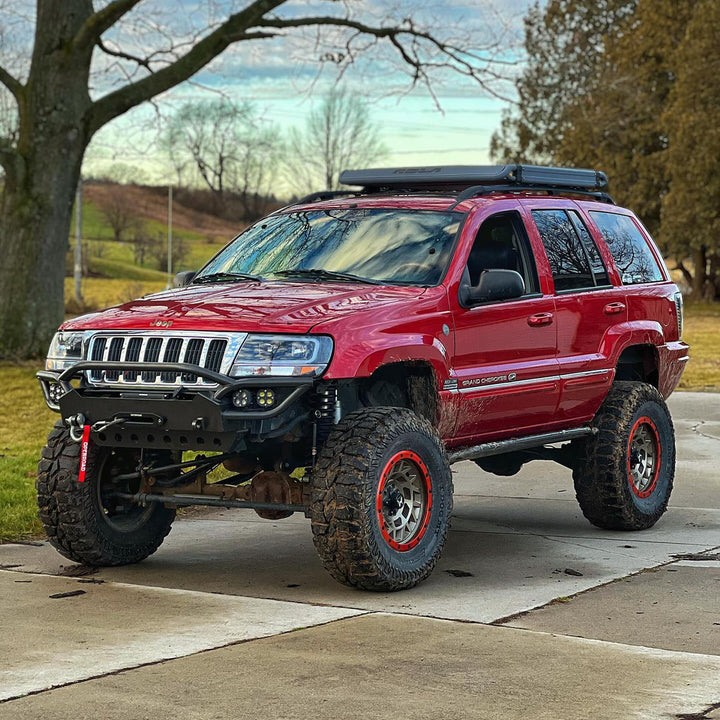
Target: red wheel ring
404, 500
644, 457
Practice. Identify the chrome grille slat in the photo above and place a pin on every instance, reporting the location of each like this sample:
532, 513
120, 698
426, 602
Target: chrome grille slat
132, 354
193, 355
97, 352
152, 354
213, 351
114, 354
171, 353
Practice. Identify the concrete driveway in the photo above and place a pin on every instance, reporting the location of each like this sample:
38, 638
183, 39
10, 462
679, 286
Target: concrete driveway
531, 611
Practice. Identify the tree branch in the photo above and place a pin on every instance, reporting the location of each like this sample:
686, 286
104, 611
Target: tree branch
232, 30
456, 57
251, 24
11, 83
143, 62
103, 20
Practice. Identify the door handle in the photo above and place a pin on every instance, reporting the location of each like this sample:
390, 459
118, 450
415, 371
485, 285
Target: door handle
540, 319
614, 308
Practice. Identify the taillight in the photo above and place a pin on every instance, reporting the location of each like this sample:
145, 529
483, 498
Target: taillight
679, 308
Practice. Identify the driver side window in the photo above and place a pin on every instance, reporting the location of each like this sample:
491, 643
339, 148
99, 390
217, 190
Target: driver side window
502, 244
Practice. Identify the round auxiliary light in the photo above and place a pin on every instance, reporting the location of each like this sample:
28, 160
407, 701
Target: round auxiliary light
55, 391
242, 398
265, 398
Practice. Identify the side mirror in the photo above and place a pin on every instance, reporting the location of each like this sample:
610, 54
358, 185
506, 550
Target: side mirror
184, 278
496, 285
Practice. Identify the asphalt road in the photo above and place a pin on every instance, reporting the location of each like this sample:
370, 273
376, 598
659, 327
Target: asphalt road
531, 611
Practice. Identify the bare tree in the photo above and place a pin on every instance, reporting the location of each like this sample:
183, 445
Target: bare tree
82, 63
119, 212
339, 135
225, 146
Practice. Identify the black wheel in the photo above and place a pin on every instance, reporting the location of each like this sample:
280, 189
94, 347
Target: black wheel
83, 520
624, 474
381, 499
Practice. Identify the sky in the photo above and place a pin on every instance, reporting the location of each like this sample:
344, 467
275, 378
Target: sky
284, 81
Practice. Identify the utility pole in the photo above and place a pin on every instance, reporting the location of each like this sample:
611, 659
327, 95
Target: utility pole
169, 243
77, 265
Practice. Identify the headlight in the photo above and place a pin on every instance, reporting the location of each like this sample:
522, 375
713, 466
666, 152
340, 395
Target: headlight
283, 355
66, 349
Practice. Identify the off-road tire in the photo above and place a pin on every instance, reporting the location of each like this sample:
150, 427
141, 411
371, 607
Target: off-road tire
604, 487
72, 514
345, 513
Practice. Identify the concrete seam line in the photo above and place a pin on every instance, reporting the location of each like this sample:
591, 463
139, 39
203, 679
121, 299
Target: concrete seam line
150, 663
514, 616
643, 650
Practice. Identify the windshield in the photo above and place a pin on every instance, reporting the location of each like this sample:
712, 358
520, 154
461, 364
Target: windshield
403, 247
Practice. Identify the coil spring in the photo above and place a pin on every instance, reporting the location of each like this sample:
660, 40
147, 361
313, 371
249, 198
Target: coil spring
325, 414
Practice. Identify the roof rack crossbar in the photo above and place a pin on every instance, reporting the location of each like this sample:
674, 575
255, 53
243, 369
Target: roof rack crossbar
324, 195
480, 190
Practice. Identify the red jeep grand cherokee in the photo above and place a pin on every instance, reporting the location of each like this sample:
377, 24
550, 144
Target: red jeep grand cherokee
340, 354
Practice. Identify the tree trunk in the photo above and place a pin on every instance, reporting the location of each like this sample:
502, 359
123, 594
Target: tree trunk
41, 181
33, 244
700, 272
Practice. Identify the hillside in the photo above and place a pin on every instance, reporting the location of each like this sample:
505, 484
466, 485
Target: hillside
115, 271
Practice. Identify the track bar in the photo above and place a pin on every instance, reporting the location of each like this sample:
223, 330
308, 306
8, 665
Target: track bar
524, 443
187, 500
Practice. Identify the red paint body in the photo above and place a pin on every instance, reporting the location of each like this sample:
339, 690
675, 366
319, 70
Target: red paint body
560, 349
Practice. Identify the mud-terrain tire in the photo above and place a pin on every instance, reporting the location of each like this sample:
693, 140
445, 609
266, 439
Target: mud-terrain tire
624, 474
381, 499
72, 513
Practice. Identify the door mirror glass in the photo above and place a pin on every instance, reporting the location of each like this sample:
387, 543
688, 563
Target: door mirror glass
495, 285
184, 278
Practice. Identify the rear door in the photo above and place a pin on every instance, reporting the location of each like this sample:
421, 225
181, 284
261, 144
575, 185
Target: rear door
589, 303
506, 377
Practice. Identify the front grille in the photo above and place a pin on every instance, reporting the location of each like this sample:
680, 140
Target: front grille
212, 351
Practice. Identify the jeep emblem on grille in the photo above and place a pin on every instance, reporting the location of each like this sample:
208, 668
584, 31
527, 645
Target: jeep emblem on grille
161, 323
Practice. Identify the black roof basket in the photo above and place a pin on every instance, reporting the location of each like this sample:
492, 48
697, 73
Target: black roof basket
472, 181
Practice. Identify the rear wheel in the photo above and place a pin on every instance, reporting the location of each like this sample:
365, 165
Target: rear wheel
382, 497
84, 521
624, 474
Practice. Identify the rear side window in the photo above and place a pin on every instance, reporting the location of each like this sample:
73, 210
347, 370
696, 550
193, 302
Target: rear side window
634, 259
568, 258
596, 263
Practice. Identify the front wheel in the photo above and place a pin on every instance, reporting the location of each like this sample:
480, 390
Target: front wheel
382, 498
624, 473
83, 520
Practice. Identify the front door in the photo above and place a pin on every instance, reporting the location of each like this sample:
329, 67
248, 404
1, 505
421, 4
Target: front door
505, 365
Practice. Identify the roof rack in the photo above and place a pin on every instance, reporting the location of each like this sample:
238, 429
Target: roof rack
324, 195
473, 181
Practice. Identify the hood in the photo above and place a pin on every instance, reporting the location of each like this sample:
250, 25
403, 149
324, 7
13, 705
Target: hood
245, 307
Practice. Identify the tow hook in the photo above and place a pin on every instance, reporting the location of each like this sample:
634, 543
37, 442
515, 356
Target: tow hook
76, 425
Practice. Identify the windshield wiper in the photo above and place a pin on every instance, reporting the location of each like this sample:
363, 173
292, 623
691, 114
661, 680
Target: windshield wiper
320, 274
226, 277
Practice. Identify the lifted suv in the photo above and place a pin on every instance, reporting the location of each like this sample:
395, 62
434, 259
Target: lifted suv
340, 354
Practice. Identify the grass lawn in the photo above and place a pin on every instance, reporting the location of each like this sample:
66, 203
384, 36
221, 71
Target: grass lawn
26, 421
702, 332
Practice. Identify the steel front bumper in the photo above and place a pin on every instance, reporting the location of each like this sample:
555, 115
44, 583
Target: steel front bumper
175, 418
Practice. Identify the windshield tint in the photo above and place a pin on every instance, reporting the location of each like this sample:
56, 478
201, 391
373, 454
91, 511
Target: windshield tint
410, 247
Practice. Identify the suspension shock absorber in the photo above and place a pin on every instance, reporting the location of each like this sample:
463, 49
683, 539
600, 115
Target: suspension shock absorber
327, 414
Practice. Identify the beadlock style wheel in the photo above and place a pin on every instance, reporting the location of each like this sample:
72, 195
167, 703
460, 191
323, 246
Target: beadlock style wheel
644, 457
404, 501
